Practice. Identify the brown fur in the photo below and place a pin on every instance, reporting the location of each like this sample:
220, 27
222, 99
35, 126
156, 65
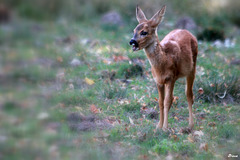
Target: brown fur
172, 58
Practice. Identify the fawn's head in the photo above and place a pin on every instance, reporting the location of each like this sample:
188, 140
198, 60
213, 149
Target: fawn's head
146, 29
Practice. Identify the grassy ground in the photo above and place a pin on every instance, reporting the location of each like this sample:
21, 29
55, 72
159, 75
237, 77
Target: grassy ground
52, 109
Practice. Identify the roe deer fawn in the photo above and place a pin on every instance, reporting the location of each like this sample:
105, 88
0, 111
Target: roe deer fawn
172, 58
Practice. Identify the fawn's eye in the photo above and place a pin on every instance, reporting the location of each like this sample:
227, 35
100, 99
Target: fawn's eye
143, 33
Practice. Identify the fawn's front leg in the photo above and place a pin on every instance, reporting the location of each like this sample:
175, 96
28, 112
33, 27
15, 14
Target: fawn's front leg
160, 103
167, 102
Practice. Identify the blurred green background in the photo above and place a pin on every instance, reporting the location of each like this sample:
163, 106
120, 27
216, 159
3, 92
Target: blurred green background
71, 88
204, 12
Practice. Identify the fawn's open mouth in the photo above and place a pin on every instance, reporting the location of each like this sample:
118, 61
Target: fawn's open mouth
134, 47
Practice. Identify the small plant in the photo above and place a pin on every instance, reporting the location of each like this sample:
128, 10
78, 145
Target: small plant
133, 106
132, 70
217, 89
165, 146
111, 90
10, 106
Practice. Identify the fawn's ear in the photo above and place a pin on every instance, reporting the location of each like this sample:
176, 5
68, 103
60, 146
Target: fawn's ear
158, 17
140, 15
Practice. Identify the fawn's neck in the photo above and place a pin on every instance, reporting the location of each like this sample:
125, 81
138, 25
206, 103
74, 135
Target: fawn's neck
154, 51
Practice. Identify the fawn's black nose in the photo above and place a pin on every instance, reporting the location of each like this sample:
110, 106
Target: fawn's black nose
133, 42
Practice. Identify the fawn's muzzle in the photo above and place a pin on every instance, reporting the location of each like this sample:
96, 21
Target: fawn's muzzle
134, 45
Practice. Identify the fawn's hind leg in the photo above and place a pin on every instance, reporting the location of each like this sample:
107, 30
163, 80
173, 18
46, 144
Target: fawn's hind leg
189, 94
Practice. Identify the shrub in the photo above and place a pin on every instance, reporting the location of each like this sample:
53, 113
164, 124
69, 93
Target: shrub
218, 89
211, 34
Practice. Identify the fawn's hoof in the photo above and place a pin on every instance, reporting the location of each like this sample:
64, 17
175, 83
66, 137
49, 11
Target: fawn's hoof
190, 126
165, 129
158, 126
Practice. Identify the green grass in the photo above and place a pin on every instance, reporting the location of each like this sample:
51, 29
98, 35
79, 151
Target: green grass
40, 89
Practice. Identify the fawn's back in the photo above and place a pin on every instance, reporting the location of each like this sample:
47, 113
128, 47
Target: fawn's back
181, 46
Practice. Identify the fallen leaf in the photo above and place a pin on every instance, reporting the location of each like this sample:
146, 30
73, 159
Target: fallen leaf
175, 137
198, 133
175, 98
102, 134
89, 81
203, 146
225, 85
130, 136
106, 61
59, 59
131, 121
211, 124
62, 105
155, 99
42, 115
172, 130
175, 117
71, 86
78, 108
119, 121
154, 154
169, 156
93, 68
200, 91
225, 104
190, 139
94, 109
53, 150
207, 111
143, 157
142, 137
60, 76
107, 121
123, 101
144, 108
144, 104
228, 109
